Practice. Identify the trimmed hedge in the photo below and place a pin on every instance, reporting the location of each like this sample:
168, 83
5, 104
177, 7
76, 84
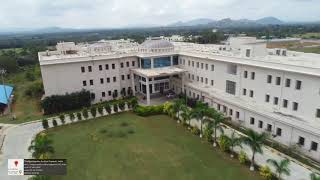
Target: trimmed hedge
148, 110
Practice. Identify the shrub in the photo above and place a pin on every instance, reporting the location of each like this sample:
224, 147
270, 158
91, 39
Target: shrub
54, 122
85, 113
93, 111
265, 172
79, 116
62, 118
60, 103
195, 131
30, 76
133, 102
35, 89
122, 105
224, 143
131, 131
208, 134
71, 117
243, 157
107, 107
115, 107
45, 123
124, 124
148, 110
100, 110
167, 106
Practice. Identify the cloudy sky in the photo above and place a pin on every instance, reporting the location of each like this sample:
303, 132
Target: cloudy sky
120, 13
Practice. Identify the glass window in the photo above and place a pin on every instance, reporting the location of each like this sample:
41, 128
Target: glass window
301, 141
175, 60
253, 74
267, 97
91, 82
89, 68
100, 67
244, 92
260, 125
298, 84
145, 63
279, 131
161, 62
275, 100
84, 83
231, 87
318, 113
251, 120
237, 115
83, 69
314, 146
245, 74
285, 103
288, 82
269, 79
107, 66
269, 127
232, 69
295, 106
251, 93
278, 81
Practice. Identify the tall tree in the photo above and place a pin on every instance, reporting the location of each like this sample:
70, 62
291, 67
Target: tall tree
218, 119
41, 147
186, 115
199, 113
177, 107
255, 141
281, 167
234, 142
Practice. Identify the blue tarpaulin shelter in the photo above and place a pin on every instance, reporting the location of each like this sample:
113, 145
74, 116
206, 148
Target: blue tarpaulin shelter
4, 89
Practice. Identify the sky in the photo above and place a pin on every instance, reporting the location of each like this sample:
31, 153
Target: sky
125, 13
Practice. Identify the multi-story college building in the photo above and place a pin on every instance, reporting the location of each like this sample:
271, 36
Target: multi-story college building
272, 90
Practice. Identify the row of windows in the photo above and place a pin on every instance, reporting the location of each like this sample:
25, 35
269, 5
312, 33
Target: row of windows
113, 66
201, 79
253, 74
285, 102
198, 64
287, 82
244, 92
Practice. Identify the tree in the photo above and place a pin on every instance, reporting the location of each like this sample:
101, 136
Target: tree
115, 107
85, 113
217, 119
100, 110
107, 107
234, 141
186, 115
45, 124
313, 176
199, 113
41, 147
71, 117
281, 167
93, 111
255, 141
177, 107
122, 105
79, 116
62, 118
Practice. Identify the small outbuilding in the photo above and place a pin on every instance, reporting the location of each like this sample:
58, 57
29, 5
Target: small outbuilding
5, 97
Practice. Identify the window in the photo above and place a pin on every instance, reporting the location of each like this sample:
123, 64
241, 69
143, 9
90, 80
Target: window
231, 87
114, 79
314, 146
206, 66
251, 93
230, 112
278, 81
197, 64
201, 65
108, 80
93, 96
269, 79
83, 69
318, 113
253, 74
192, 63
244, 92
101, 80
224, 109
301, 141
189, 76
206, 80
275, 100
175, 60
113, 66
122, 77
269, 127
89, 68
219, 107
212, 82
109, 93
103, 94
285, 103
202, 79
161, 62
127, 64
237, 115
198, 78
100, 67
212, 67
288, 82
91, 82
245, 74
107, 66
128, 76
295, 106
247, 52
133, 63
298, 85
188, 62
232, 69
279, 131
121, 65
267, 98
192, 77
251, 120
84, 83
260, 124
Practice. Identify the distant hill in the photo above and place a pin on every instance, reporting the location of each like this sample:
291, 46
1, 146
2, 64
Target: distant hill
269, 21
194, 22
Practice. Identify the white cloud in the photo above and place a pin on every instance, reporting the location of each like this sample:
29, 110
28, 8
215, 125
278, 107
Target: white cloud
119, 13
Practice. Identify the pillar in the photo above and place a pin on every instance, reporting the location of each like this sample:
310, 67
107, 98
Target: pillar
151, 62
148, 91
182, 82
132, 84
171, 60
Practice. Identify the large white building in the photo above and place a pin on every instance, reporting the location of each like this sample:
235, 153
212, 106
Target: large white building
272, 90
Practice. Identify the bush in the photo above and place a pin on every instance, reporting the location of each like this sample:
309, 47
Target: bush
124, 124
133, 102
85, 113
265, 172
208, 134
122, 105
93, 111
115, 107
243, 157
224, 143
107, 107
100, 110
30, 76
131, 131
71, 117
35, 89
54, 122
61, 103
148, 110
62, 118
195, 131
79, 116
45, 123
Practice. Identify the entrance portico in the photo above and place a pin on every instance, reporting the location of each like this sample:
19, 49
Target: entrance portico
155, 81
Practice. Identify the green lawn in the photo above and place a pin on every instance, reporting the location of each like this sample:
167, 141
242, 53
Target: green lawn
307, 49
126, 146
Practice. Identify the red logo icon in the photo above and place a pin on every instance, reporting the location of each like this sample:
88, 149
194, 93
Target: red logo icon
16, 163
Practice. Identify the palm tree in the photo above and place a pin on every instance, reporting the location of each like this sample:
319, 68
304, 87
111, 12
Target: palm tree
280, 167
255, 141
41, 147
313, 176
177, 107
234, 142
186, 115
216, 124
199, 113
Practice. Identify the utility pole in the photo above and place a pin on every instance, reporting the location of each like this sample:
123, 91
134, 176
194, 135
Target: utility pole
2, 72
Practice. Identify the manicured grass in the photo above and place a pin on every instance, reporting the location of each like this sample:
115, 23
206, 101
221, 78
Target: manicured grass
307, 49
126, 146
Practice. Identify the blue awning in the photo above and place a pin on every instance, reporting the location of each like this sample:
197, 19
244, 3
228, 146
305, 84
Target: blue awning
4, 89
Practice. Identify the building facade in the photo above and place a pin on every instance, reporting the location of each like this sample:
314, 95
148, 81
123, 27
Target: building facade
271, 90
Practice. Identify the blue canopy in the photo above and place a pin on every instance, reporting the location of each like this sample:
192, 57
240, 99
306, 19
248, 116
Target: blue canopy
3, 91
